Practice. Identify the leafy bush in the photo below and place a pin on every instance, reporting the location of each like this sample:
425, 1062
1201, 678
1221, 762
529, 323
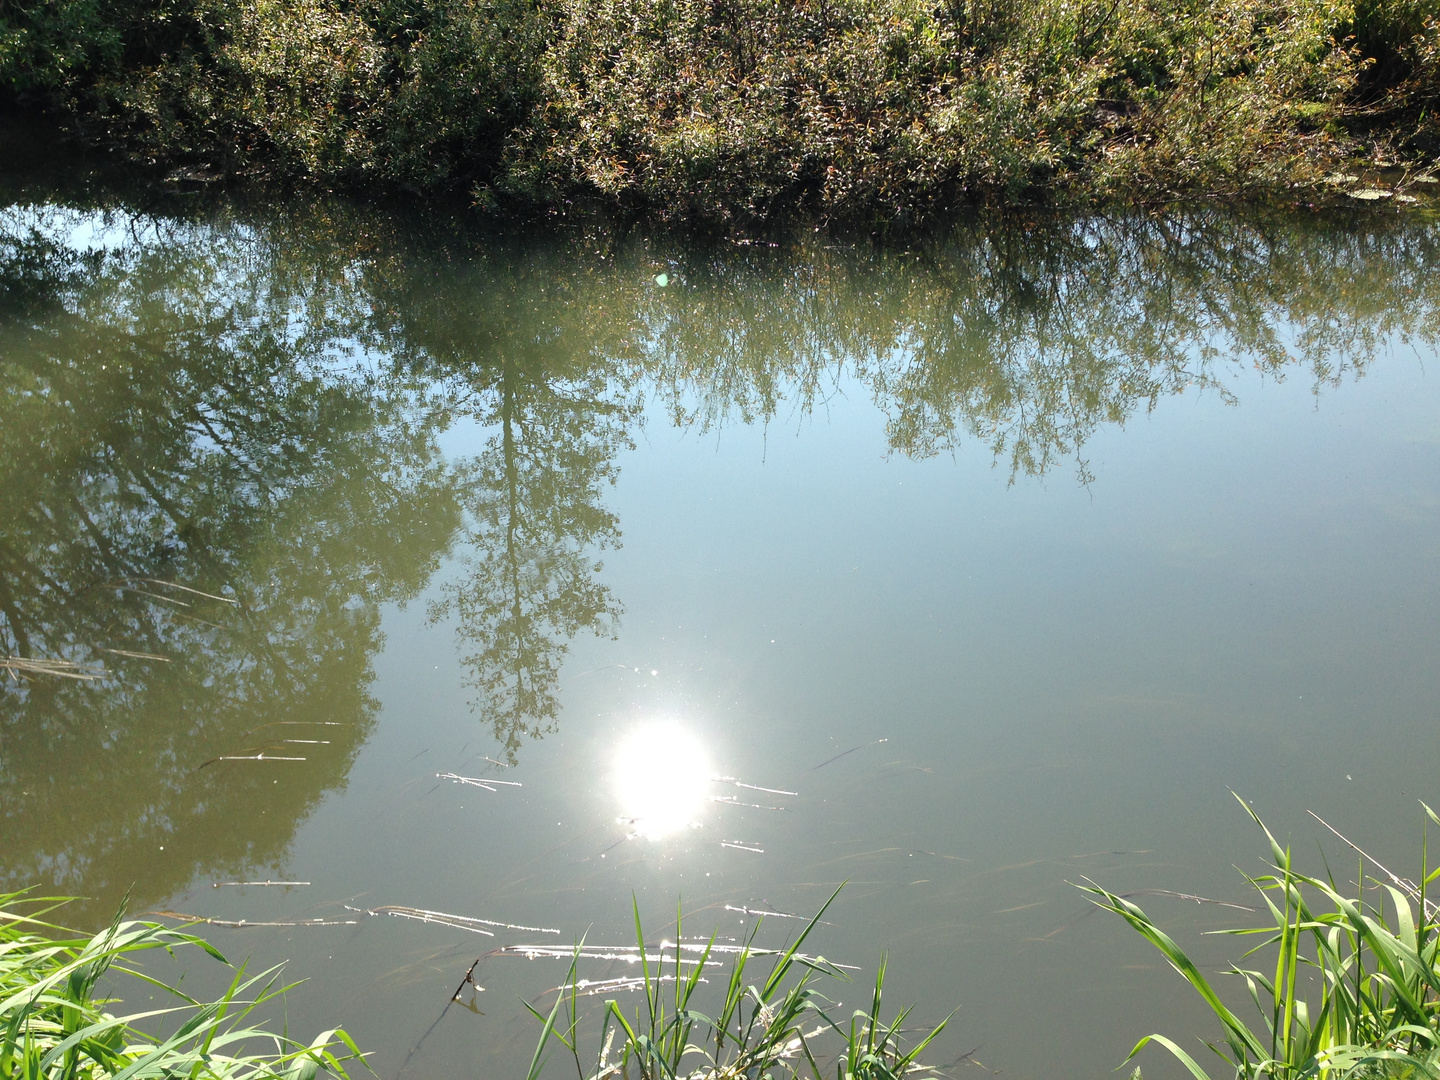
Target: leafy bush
725, 110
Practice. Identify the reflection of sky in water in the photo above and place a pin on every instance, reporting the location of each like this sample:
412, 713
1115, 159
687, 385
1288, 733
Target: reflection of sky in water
661, 775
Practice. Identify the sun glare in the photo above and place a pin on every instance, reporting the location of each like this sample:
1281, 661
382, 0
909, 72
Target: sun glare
661, 780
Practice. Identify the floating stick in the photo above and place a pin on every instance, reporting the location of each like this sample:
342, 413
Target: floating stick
262, 756
738, 846
1178, 896
942, 855
295, 723
138, 655
771, 914
443, 918
64, 669
846, 753
761, 911
476, 781
153, 596
241, 923
592, 987
220, 884
630, 954
752, 787
730, 800
175, 585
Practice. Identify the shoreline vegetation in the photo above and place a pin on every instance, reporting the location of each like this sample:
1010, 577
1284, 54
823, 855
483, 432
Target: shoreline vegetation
735, 114
56, 1020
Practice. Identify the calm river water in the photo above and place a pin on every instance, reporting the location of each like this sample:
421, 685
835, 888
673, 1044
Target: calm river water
961, 573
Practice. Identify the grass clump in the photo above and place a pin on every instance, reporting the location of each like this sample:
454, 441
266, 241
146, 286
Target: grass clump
1354, 990
759, 1028
54, 1022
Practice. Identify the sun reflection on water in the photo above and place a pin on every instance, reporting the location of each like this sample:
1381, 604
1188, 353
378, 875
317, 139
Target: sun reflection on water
661, 780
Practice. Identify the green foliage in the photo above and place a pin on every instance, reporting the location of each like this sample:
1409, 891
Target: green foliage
758, 1029
1353, 992
54, 1023
738, 110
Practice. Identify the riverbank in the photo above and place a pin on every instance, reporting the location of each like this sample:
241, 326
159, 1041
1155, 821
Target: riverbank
735, 112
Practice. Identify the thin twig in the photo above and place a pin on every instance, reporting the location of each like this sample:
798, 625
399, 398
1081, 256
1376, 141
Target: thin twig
444, 918
476, 781
138, 655
182, 588
846, 753
752, 787
241, 923
63, 669
1404, 884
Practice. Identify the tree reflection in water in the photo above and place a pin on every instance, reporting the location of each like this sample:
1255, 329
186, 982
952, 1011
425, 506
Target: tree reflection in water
252, 411
174, 412
543, 357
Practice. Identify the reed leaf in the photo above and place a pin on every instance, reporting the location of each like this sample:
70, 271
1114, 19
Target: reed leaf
1353, 993
54, 1025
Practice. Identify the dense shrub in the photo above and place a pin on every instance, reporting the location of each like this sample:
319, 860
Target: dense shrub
881, 110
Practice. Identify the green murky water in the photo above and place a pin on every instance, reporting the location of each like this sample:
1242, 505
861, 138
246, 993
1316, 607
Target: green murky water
997, 561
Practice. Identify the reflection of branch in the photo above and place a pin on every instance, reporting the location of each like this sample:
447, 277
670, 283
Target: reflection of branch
12, 618
225, 446
107, 555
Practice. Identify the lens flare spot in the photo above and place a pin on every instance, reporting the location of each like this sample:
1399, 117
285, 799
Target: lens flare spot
661, 780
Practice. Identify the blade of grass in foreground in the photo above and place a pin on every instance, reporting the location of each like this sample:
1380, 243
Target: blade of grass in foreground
759, 1029
54, 1027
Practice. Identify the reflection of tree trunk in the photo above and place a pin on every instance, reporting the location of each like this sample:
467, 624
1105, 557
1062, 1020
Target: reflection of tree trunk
102, 546
512, 491
12, 618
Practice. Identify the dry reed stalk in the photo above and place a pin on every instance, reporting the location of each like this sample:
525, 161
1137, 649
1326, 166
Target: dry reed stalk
444, 918
261, 756
752, 787
476, 781
730, 800
27, 667
1405, 885
762, 912
120, 583
625, 983
246, 923
846, 753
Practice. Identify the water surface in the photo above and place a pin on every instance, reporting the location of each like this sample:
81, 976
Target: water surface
999, 561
